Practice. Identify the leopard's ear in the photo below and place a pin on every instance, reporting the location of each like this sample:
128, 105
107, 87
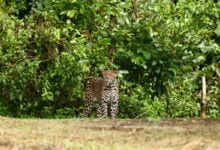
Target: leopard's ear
116, 71
103, 72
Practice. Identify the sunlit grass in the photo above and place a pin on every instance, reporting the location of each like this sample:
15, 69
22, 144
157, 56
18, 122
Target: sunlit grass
95, 134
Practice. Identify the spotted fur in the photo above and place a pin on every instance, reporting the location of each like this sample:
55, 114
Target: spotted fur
106, 91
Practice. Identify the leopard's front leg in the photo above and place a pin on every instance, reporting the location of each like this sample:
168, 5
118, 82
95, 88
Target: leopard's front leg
114, 106
103, 108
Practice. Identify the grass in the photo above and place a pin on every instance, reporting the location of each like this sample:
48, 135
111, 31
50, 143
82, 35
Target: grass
64, 134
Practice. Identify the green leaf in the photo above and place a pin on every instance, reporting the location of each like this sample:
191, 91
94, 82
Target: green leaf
71, 13
217, 30
147, 55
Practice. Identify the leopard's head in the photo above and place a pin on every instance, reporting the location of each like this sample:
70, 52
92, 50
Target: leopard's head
110, 78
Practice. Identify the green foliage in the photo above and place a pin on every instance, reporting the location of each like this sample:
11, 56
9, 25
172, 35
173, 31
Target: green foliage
131, 100
48, 48
154, 109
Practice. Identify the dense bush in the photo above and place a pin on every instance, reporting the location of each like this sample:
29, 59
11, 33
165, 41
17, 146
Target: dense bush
161, 49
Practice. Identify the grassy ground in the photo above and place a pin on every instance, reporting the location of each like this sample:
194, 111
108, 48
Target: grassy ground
45, 134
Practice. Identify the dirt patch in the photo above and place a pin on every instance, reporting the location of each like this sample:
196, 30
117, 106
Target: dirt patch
5, 145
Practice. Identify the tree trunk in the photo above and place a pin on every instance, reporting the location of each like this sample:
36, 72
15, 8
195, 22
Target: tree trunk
203, 98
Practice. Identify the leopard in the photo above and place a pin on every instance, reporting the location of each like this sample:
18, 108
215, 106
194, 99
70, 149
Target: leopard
105, 91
